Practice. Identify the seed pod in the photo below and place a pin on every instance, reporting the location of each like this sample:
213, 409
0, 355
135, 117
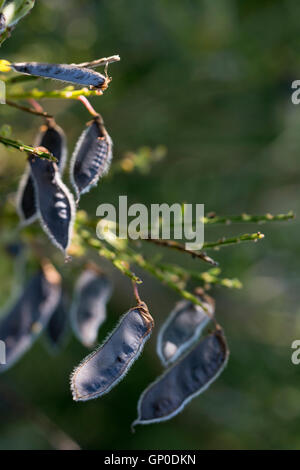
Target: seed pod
91, 158
26, 199
186, 379
105, 367
2, 23
53, 138
63, 72
55, 204
183, 326
30, 314
57, 326
88, 311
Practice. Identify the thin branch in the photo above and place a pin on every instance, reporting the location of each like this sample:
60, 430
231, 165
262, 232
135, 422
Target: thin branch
36, 152
136, 293
109, 255
28, 110
246, 218
208, 277
177, 246
140, 261
243, 218
68, 93
118, 259
99, 62
88, 106
234, 240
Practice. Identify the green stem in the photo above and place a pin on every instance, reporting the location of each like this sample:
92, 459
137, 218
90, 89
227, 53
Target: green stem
28, 110
109, 255
140, 261
207, 277
26, 148
231, 241
179, 247
131, 256
246, 218
68, 93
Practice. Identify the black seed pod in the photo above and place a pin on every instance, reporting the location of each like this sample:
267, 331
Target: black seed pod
63, 72
88, 311
29, 315
57, 326
186, 379
183, 326
105, 367
55, 203
91, 158
53, 138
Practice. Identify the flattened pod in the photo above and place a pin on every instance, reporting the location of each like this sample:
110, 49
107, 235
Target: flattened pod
55, 203
57, 326
105, 367
182, 328
29, 315
186, 379
64, 73
53, 138
91, 158
88, 310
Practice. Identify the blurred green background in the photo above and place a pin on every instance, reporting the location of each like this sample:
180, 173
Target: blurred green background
211, 81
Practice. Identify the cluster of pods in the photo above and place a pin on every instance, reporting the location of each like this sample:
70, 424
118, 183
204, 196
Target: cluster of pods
42, 193
191, 364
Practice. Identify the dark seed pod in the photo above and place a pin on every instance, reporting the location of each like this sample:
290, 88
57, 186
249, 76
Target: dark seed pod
55, 203
183, 326
30, 314
53, 138
57, 326
105, 367
26, 204
2, 23
88, 312
91, 158
63, 72
186, 379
